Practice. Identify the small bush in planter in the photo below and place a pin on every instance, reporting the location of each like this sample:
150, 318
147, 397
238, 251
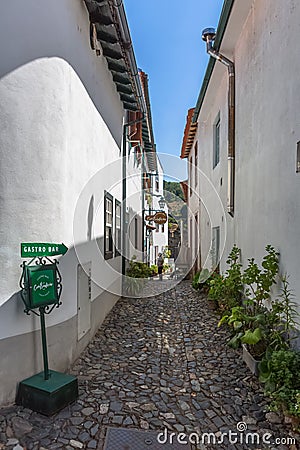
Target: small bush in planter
136, 274
138, 269
226, 290
201, 280
154, 270
251, 321
279, 371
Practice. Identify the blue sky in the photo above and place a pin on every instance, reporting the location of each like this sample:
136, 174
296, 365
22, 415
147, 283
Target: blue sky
167, 42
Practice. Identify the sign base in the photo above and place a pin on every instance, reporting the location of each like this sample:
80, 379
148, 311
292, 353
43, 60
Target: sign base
47, 396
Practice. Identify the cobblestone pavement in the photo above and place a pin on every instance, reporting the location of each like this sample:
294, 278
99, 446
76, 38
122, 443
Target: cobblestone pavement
156, 363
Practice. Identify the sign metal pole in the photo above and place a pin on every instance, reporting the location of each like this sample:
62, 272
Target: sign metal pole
44, 342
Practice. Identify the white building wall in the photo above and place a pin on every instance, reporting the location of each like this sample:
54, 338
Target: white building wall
60, 130
267, 202
194, 202
160, 237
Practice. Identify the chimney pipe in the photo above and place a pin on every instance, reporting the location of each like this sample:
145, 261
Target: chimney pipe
208, 35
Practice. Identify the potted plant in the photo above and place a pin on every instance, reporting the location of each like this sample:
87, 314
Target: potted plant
201, 280
136, 275
226, 290
279, 371
250, 320
248, 332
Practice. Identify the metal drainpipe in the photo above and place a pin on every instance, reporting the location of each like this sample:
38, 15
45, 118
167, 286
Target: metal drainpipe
124, 191
208, 35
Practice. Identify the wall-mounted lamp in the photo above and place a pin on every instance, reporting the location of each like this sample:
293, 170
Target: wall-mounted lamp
162, 202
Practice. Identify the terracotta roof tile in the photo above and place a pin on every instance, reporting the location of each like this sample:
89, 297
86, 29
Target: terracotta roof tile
189, 134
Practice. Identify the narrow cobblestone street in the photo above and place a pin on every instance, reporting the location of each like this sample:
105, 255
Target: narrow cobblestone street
156, 363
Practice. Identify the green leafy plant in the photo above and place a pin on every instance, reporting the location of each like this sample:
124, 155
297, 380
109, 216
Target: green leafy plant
258, 282
136, 273
279, 371
226, 290
167, 252
154, 270
216, 289
138, 269
201, 278
260, 322
247, 329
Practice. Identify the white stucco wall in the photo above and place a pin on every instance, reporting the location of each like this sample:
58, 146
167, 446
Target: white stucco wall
159, 238
60, 137
267, 202
61, 123
54, 136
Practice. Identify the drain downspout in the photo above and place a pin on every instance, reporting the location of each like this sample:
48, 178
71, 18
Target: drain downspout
208, 35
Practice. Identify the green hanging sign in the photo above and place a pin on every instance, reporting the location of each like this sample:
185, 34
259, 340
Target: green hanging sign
37, 249
42, 285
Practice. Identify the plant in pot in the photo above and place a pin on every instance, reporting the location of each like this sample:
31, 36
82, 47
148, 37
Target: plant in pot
226, 290
250, 331
154, 270
258, 283
136, 275
279, 371
280, 366
251, 320
201, 280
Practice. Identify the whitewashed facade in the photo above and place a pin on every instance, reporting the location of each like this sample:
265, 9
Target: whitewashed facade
61, 133
159, 237
267, 134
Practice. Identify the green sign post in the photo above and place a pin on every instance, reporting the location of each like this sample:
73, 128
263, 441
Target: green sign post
49, 391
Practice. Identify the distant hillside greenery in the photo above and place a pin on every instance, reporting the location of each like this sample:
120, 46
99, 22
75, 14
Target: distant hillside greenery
172, 190
177, 209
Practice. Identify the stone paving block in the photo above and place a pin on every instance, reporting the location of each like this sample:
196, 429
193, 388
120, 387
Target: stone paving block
155, 363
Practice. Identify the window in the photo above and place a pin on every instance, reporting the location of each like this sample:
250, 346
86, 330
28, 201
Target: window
197, 243
215, 247
135, 233
156, 183
191, 176
196, 238
117, 228
196, 164
216, 131
108, 226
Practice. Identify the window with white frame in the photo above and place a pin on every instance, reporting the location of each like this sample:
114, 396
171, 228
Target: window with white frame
191, 176
215, 247
108, 225
117, 228
216, 141
298, 158
157, 183
136, 228
196, 164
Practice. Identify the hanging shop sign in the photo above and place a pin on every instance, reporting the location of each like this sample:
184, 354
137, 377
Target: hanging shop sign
173, 228
42, 286
160, 217
149, 217
37, 249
